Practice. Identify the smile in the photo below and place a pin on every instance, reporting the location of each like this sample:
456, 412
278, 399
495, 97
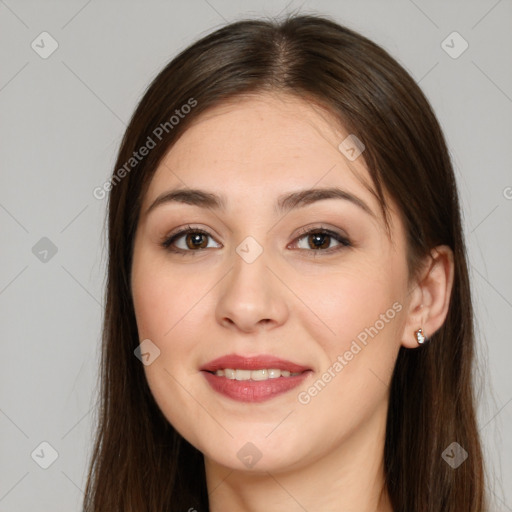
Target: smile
237, 374
253, 379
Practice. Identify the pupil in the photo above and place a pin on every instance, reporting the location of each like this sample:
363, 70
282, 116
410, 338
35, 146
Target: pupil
195, 241
318, 237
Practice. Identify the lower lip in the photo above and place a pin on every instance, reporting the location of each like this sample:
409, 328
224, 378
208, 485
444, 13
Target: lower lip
253, 390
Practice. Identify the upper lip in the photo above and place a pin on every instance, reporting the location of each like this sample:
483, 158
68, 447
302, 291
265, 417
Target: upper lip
258, 362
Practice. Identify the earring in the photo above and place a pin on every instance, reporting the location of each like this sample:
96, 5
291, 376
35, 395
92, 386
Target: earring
420, 337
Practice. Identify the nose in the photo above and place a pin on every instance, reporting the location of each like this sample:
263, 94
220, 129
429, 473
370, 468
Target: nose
251, 297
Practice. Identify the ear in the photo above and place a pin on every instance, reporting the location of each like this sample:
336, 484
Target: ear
429, 296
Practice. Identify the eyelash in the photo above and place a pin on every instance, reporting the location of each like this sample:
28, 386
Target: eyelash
344, 242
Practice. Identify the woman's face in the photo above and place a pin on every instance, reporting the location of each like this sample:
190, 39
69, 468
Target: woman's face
279, 317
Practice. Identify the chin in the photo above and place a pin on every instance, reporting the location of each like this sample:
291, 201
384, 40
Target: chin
258, 453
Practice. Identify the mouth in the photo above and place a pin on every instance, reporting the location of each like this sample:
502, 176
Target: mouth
255, 375
253, 379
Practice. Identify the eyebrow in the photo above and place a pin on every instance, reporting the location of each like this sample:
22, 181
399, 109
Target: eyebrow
284, 204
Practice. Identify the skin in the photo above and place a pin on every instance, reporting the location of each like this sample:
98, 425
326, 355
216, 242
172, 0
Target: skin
294, 302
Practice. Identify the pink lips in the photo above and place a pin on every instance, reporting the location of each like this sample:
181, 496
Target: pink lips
249, 390
252, 363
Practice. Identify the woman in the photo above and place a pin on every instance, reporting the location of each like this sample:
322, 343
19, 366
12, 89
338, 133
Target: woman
288, 322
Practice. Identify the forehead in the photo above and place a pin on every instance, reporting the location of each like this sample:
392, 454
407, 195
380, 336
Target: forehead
262, 145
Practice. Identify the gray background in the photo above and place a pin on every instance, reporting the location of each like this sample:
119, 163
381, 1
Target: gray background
61, 122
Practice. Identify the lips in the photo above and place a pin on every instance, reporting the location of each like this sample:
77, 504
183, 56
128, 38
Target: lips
248, 389
252, 363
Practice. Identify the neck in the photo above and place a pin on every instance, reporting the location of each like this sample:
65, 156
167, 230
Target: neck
350, 477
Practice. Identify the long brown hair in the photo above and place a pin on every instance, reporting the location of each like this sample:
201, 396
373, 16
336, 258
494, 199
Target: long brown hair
140, 463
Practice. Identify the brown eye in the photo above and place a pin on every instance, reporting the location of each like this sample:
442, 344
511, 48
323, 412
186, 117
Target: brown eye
320, 240
196, 240
187, 240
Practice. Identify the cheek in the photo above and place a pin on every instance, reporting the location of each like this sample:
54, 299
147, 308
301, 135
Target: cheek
360, 320
162, 297
167, 309
155, 306
352, 383
349, 301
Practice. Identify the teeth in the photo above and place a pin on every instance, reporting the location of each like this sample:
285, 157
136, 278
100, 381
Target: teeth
229, 374
242, 374
259, 374
263, 374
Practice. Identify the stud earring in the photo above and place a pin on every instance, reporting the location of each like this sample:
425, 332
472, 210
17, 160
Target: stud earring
420, 337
